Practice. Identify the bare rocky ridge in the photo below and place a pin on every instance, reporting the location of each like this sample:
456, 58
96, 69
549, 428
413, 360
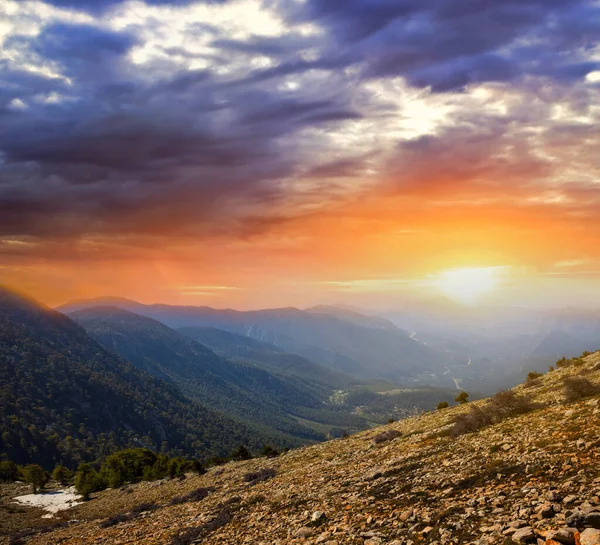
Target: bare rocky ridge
534, 478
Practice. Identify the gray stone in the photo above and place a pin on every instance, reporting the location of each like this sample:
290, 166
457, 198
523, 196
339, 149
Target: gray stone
590, 536
318, 517
524, 535
564, 535
592, 520
546, 511
305, 531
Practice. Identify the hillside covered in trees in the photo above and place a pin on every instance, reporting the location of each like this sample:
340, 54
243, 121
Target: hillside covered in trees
64, 398
242, 389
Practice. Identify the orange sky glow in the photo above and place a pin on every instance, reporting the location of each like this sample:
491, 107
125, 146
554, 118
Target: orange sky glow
255, 154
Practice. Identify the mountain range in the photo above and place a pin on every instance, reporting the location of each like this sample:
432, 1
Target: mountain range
269, 398
200, 381
65, 397
343, 340
77, 387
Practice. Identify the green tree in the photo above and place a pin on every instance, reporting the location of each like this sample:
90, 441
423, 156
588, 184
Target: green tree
176, 468
8, 471
462, 398
61, 474
532, 375
87, 480
442, 405
35, 475
269, 452
197, 467
241, 453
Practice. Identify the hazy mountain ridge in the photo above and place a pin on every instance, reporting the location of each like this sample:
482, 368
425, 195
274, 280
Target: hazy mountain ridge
248, 349
347, 346
245, 391
65, 397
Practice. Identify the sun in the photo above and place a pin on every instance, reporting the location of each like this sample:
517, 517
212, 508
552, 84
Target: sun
468, 285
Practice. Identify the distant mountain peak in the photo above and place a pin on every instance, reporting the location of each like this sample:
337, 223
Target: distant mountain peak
105, 301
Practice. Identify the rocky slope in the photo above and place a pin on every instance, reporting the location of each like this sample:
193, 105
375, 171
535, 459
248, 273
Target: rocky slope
534, 478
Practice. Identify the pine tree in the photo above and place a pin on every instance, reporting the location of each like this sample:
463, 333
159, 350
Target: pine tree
462, 398
35, 475
61, 474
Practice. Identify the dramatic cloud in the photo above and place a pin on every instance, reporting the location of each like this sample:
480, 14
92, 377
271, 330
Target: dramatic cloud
125, 122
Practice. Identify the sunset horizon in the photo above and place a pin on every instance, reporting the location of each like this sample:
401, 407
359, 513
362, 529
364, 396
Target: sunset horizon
254, 154
300, 272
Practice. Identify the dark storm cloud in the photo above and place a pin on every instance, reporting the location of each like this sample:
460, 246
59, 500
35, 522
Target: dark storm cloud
78, 43
447, 44
109, 146
120, 153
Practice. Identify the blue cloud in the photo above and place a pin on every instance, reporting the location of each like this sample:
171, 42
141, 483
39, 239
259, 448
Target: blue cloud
123, 143
446, 44
97, 6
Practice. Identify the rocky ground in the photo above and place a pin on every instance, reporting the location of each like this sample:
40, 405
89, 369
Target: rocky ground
533, 478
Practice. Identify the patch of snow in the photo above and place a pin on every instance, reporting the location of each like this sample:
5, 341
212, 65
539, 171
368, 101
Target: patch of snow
52, 502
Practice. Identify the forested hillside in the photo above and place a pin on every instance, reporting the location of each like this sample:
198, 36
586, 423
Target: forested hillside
246, 349
63, 397
367, 348
251, 393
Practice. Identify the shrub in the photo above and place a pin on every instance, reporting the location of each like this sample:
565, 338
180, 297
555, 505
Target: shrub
148, 506
563, 363
35, 475
255, 477
241, 453
532, 379
385, 436
462, 398
471, 421
197, 467
114, 520
198, 532
194, 495
269, 452
442, 405
9, 471
124, 517
61, 475
499, 407
87, 480
579, 387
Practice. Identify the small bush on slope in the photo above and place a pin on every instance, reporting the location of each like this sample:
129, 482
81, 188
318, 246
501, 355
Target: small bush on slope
194, 495
579, 387
124, 517
502, 405
386, 436
258, 476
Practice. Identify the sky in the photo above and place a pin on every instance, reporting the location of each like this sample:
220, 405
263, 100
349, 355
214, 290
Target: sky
259, 153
